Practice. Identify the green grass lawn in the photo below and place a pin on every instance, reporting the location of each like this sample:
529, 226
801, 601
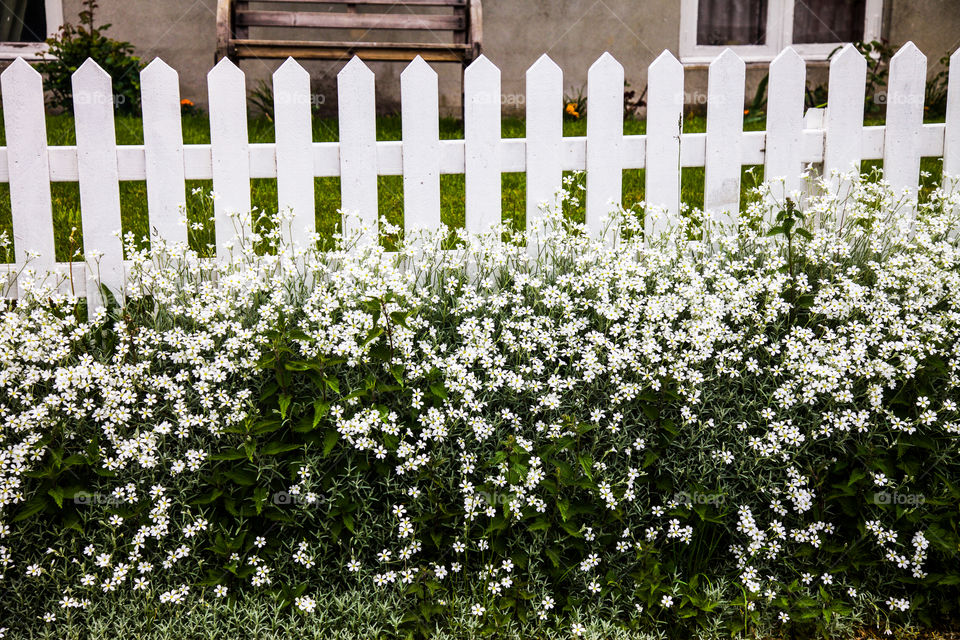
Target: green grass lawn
133, 195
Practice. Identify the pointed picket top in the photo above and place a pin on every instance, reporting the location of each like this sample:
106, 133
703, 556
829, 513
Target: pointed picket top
844, 118
224, 69
604, 143
904, 122
951, 143
355, 69
665, 66
849, 58
784, 143
482, 65
19, 71
158, 71
544, 117
418, 68
606, 63
723, 152
788, 61
290, 71
544, 67
728, 62
90, 69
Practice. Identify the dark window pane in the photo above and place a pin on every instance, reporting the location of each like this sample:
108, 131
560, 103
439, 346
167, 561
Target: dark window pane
828, 20
732, 22
23, 21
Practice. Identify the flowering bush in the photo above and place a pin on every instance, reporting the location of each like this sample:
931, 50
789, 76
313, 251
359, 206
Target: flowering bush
743, 431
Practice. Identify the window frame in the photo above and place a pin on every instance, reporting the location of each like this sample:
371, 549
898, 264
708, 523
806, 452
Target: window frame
779, 35
31, 50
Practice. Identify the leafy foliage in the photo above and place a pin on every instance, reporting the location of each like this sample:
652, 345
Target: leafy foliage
71, 47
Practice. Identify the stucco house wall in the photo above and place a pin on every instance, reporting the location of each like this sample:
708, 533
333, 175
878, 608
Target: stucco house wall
516, 32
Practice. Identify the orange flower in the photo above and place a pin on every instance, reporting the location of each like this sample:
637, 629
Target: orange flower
186, 103
572, 110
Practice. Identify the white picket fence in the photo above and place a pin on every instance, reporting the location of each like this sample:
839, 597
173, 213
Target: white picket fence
838, 140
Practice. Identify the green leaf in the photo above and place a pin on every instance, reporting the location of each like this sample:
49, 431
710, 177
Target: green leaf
242, 477
273, 448
259, 498
333, 383
30, 508
57, 494
230, 454
330, 441
285, 400
554, 557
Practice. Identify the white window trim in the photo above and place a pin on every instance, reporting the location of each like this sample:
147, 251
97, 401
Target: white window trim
779, 35
32, 50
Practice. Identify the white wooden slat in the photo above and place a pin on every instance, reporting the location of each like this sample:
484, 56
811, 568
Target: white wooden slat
951, 140
163, 150
785, 98
481, 136
356, 104
664, 129
723, 153
294, 135
544, 137
230, 153
27, 164
844, 118
604, 142
420, 121
99, 181
905, 92
326, 155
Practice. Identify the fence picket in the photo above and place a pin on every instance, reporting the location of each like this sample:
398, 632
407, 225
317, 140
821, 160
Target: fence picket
163, 150
544, 104
481, 140
24, 120
721, 187
785, 92
844, 119
294, 135
901, 144
356, 106
951, 142
664, 128
420, 122
230, 152
99, 180
604, 141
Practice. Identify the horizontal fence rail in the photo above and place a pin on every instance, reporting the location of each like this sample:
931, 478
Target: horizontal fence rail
836, 139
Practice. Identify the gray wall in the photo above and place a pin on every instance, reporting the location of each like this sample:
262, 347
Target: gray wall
516, 32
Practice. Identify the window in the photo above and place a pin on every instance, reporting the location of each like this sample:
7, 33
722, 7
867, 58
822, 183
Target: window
759, 29
26, 24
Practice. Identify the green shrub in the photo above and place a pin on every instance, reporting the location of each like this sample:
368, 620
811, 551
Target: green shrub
724, 432
71, 47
